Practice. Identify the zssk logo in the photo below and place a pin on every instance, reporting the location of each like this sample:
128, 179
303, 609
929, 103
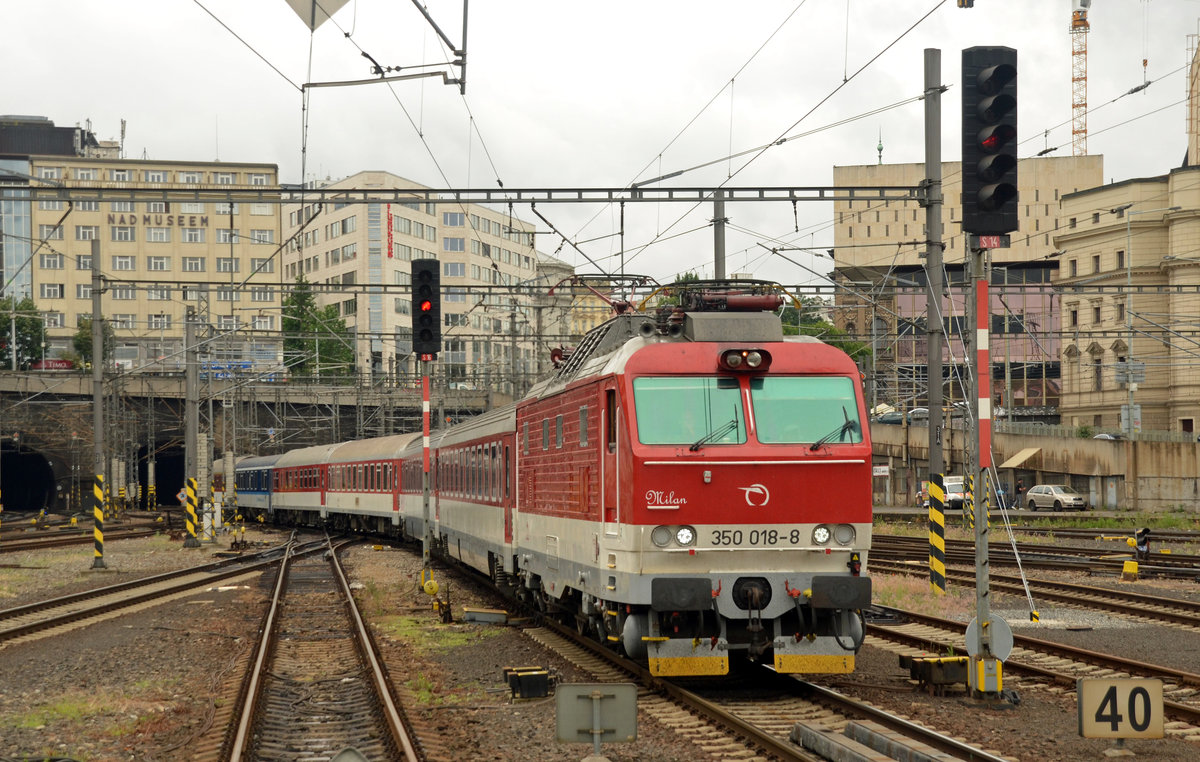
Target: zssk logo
756, 495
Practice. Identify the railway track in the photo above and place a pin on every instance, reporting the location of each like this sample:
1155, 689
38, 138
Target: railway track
316, 684
50, 616
1062, 557
1052, 662
1175, 611
758, 713
74, 536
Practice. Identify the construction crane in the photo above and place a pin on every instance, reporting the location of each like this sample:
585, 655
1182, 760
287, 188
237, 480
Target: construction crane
1079, 32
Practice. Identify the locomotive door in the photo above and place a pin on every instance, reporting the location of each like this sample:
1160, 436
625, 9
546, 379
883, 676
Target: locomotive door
610, 476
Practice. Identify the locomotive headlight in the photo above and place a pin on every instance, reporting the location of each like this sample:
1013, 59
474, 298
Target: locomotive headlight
685, 535
844, 534
661, 536
821, 534
754, 359
733, 359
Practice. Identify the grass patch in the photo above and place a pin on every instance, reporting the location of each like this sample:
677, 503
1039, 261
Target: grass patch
429, 635
913, 593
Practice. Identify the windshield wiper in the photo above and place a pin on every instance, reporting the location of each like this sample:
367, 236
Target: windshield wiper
714, 435
840, 431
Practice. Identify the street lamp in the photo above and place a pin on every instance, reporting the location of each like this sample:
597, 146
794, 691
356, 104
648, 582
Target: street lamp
1130, 384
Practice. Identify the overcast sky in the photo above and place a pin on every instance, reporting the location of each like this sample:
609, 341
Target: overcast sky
572, 94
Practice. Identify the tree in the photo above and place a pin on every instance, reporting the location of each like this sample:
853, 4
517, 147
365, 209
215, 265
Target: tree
30, 333
82, 341
316, 341
808, 321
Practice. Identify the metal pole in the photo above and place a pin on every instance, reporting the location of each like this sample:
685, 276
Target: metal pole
933, 249
981, 447
97, 410
191, 418
427, 527
719, 221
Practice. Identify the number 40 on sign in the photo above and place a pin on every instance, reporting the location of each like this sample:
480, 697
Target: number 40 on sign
1120, 707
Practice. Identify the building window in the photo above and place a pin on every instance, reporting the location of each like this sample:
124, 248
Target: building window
1095, 313
1074, 318
158, 293
456, 295
122, 206
454, 269
50, 261
156, 176
225, 235
55, 319
83, 262
226, 294
1097, 374
1120, 259
85, 173
1073, 268
123, 292
1071, 222
193, 235
263, 322
453, 244
228, 265
50, 232
124, 262
160, 264
122, 233
193, 264
452, 219
258, 178
260, 265
349, 251
191, 207
87, 206
261, 210
158, 235
1120, 311
83, 290
159, 322
191, 177
262, 236
124, 321
223, 178
156, 207
52, 291
1095, 263
262, 294
121, 176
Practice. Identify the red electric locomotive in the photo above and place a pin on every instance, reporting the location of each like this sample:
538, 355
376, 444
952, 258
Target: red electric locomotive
690, 484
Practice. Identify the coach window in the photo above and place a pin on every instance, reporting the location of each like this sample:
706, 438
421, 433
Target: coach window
545, 433
805, 409
558, 432
506, 484
495, 493
583, 432
694, 411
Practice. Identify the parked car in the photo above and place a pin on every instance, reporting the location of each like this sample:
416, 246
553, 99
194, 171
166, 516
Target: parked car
1055, 496
894, 417
955, 492
1105, 435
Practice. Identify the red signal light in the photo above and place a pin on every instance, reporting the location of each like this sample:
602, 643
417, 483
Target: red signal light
426, 306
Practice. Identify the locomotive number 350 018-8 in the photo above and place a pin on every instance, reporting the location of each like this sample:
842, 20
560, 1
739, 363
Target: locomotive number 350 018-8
756, 537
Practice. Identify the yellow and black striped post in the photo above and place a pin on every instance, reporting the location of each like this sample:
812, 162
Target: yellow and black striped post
191, 541
968, 503
152, 498
121, 498
937, 534
98, 518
